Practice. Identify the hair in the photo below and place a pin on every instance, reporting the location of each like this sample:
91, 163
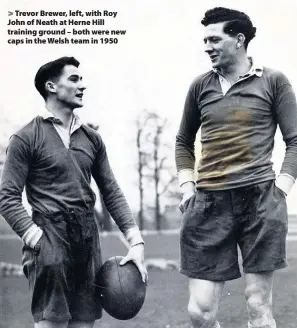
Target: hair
52, 71
236, 22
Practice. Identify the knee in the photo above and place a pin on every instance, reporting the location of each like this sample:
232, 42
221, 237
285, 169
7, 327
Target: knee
259, 301
201, 312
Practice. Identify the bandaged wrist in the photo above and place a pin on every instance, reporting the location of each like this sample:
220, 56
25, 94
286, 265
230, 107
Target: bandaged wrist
133, 236
32, 235
285, 182
186, 175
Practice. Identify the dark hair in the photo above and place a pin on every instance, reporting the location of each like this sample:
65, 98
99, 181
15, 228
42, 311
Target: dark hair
52, 70
236, 22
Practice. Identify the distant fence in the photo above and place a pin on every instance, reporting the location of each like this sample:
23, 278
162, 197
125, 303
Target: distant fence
10, 270
162, 250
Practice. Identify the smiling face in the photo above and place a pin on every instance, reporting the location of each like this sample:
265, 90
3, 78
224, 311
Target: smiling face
68, 87
220, 46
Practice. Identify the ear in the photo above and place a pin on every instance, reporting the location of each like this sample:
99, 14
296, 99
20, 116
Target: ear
50, 87
240, 40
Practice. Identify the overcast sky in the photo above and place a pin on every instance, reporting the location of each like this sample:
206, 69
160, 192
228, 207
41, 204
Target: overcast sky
151, 67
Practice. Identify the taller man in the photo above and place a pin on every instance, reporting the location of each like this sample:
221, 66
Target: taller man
236, 200
54, 157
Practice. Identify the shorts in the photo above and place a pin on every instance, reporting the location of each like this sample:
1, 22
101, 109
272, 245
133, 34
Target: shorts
62, 268
215, 223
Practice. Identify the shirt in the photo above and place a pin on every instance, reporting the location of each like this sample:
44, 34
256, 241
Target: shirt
57, 178
238, 125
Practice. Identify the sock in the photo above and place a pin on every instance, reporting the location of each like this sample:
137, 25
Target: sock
216, 325
272, 325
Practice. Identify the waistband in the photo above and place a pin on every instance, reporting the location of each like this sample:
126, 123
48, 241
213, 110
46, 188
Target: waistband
71, 216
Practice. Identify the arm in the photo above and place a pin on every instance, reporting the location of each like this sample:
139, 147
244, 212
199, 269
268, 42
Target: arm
118, 207
185, 146
285, 110
113, 197
13, 179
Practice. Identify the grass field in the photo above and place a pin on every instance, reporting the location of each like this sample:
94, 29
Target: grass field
166, 301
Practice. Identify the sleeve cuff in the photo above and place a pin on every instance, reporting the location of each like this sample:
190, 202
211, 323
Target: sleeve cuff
133, 236
186, 175
32, 235
285, 182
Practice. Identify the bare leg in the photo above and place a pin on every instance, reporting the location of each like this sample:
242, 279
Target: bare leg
204, 302
258, 294
73, 324
50, 324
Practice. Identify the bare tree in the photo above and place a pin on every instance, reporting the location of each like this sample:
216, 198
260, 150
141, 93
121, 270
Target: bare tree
159, 166
141, 136
140, 173
152, 161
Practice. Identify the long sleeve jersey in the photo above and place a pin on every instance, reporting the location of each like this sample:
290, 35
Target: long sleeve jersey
237, 129
57, 178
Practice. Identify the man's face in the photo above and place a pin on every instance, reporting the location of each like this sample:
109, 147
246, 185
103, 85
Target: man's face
69, 87
220, 47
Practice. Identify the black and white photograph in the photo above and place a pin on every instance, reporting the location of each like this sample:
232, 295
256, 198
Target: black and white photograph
148, 160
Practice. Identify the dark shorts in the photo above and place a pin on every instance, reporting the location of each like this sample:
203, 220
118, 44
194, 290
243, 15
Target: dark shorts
62, 268
215, 223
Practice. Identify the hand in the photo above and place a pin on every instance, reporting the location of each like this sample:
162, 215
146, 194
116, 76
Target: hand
186, 196
136, 255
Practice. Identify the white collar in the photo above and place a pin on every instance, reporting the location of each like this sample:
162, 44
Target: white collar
256, 69
48, 115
